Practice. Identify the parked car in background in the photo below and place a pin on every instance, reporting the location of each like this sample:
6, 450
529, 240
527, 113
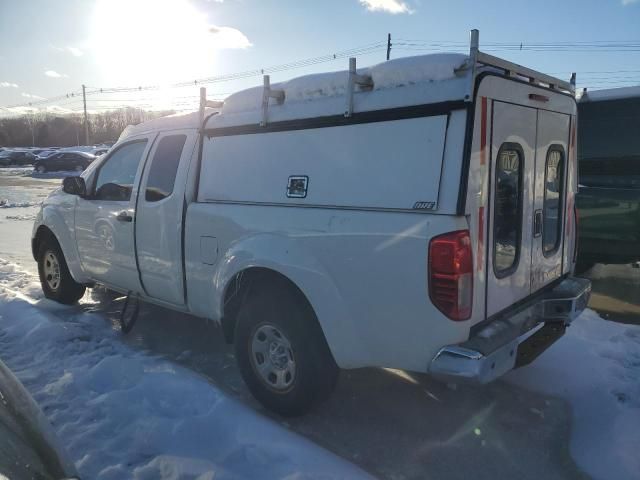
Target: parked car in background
45, 153
100, 151
16, 157
609, 175
63, 161
430, 251
29, 448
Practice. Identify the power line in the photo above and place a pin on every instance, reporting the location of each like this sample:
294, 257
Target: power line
605, 46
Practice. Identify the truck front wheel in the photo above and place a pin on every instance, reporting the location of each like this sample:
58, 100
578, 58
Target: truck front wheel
57, 283
281, 351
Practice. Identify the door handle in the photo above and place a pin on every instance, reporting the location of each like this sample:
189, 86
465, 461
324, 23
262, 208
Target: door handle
124, 217
537, 223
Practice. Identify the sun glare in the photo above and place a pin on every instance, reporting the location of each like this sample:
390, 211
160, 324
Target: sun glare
152, 41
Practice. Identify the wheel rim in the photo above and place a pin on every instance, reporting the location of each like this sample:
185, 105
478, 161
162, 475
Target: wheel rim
272, 358
51, 270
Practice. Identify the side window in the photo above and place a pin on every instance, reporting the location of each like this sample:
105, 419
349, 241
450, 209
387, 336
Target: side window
553, 196
507, 215
164, 168
117, 174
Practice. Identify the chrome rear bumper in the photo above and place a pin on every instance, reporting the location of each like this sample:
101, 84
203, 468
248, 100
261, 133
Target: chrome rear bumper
516, 338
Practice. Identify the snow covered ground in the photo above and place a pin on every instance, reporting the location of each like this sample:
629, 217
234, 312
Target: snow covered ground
122, 413
144, 406
596, 368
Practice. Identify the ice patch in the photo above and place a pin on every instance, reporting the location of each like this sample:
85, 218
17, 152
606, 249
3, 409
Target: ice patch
596, 368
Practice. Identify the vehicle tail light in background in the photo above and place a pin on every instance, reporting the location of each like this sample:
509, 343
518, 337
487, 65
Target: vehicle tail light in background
451, 274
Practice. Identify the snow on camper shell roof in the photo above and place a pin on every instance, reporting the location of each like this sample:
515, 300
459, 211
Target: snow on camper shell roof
401, 82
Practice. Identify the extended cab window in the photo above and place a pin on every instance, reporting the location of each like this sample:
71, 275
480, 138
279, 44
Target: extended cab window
118, 173
508, 209
164, 168
553, 194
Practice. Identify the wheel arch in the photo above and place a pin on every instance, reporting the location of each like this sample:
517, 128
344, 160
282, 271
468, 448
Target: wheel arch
55, 228
297, 268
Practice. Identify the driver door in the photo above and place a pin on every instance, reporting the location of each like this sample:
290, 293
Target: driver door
104, 220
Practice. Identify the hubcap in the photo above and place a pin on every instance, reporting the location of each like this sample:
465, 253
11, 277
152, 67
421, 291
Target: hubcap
272, 357
52, 270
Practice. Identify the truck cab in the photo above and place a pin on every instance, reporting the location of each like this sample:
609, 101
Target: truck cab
418, 214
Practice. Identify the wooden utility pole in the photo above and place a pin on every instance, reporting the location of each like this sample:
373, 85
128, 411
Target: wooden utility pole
86, 120
388, 46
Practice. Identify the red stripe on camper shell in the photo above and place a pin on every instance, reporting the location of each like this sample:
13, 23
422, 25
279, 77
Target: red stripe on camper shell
483, 131
480, 255
483, 160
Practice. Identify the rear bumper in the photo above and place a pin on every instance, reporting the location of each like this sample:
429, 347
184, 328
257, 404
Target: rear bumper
514, 339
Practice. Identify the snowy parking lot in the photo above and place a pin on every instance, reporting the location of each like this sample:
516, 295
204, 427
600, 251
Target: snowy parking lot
167, 401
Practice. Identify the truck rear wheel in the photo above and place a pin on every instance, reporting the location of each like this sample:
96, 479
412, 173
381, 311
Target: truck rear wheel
57, 283
281, 351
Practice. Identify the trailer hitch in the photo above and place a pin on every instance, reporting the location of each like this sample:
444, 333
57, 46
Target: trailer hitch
129, 313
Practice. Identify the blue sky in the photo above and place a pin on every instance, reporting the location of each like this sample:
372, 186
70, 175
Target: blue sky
52, 47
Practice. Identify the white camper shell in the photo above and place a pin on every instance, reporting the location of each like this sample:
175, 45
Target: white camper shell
417, 214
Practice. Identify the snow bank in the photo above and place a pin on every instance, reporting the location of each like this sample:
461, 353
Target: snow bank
6, 203
55, 174
392, 74
126, 414
596, 368
16, 171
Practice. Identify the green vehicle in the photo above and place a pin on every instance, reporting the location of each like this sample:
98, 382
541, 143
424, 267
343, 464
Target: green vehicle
608, 201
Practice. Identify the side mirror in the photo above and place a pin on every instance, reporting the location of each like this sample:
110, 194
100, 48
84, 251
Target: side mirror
74, 186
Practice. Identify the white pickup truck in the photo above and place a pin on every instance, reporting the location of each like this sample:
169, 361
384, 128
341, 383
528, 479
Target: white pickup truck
418, 214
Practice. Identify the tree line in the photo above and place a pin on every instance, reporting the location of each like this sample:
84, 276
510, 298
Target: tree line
49, 129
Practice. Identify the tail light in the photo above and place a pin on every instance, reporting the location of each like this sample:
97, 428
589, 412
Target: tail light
451, 274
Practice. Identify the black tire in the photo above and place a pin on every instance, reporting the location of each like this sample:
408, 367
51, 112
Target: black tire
66, 290
316, 372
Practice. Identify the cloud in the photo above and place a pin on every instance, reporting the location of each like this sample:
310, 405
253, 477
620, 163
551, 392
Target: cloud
54, 74
75, 51
33, 97
391, 6
8, 85
629, 2
228, 37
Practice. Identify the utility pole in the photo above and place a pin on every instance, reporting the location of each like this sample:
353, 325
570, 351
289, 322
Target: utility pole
86, 120
388, 46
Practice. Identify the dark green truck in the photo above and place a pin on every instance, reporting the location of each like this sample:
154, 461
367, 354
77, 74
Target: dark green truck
608, 201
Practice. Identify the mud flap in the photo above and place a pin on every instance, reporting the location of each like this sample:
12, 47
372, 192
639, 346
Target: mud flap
129, 313
537, 343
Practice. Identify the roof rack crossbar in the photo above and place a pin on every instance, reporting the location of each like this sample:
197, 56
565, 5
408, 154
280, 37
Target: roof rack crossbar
363, 81
267, 93
476, 57
204, 103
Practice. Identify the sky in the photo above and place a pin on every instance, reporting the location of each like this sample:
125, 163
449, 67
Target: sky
50, 48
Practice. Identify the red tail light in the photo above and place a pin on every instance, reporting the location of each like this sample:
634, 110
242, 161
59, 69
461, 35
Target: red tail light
451, 274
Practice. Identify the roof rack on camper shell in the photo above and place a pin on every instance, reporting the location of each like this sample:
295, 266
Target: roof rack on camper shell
469, 67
